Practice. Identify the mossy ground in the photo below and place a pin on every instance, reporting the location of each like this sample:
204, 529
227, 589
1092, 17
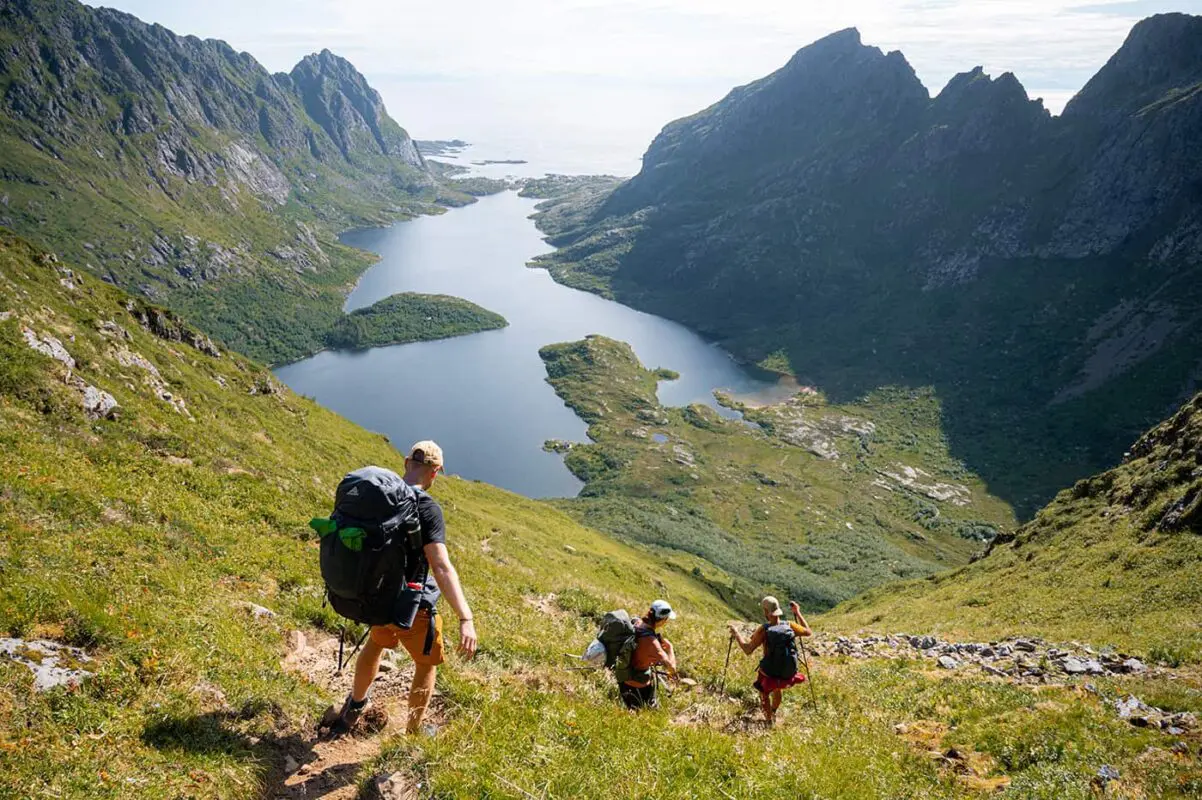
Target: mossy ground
751, 499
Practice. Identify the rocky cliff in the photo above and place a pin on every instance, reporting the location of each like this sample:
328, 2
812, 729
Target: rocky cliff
835, 221
182, 169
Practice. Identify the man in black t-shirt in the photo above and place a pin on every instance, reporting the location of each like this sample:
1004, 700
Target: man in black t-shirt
423, 641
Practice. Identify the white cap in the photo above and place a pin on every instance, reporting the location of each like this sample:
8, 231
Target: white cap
661, 610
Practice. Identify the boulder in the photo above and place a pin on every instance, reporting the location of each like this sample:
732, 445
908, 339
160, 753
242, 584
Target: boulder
97, 403
47, 345
1074, 666
393, 787
947, 662
51, 663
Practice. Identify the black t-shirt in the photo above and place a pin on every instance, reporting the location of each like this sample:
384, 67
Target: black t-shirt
434, 531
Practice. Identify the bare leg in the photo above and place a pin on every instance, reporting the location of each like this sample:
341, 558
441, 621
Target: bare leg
776, 698
420, 693
366, 667
766, 705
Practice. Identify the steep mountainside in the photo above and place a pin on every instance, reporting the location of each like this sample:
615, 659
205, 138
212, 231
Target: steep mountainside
807, 500
834, 221
164, 540
1115, 560
183, 170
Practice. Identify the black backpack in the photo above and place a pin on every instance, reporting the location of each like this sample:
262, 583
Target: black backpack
371, 545
780, 651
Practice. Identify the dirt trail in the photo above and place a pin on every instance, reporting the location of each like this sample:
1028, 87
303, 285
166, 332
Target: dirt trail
332, 769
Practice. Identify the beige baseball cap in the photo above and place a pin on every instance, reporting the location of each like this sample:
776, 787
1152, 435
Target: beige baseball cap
427, 452
771, 606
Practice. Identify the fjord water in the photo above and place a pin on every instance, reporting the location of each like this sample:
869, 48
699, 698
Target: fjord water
484, 397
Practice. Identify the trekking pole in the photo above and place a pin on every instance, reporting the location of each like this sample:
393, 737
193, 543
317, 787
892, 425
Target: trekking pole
730, 642
342, 664
809, 675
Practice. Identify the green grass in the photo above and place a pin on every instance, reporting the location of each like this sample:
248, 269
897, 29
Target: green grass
410, 317
1114, 560
753, 501
138, 539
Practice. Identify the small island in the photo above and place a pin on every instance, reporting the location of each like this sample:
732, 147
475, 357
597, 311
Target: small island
410, 317
440, 147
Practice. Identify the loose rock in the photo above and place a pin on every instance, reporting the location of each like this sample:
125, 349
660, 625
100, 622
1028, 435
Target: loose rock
52, 664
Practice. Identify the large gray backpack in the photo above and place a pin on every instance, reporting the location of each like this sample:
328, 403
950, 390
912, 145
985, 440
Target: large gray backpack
371, 545
618, 635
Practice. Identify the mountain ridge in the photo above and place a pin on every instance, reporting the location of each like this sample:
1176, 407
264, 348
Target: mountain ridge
183, 170
1040, 271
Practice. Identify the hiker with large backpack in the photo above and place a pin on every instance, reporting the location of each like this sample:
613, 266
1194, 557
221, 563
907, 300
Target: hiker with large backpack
778, 666
632, 649
385, 563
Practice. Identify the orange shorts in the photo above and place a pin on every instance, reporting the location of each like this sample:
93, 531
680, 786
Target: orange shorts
414, 639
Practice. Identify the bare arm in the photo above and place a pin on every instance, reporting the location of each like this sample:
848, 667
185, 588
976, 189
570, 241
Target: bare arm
448, 583
748, 646
666, 654
805, 627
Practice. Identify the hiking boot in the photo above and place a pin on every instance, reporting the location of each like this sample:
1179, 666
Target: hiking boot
341, 722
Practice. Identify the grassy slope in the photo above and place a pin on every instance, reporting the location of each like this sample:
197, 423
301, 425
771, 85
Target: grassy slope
817, 529
92, 184
410, 317
1099, 563
138, 539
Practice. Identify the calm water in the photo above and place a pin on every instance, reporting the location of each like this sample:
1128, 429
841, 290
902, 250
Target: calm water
484, 397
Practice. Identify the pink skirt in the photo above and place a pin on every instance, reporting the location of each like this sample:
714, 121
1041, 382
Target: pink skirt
766, 683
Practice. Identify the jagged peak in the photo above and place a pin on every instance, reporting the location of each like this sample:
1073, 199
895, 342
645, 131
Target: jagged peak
1160, 53
833, 53
976, 87
326, 61
844, 42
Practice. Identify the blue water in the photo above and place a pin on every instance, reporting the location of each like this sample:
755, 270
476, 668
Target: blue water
484, 397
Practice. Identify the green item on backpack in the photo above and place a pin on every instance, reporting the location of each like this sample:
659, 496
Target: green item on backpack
323, 526
352, 538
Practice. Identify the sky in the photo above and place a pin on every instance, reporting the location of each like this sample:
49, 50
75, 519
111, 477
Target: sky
584, 85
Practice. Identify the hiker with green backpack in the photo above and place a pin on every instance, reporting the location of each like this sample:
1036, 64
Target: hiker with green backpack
632, 649
778, 666
384, 561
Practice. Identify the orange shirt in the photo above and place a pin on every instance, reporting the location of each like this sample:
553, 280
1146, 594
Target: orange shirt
648, 653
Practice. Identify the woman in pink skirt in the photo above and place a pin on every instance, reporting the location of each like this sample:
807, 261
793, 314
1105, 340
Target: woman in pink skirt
778, 666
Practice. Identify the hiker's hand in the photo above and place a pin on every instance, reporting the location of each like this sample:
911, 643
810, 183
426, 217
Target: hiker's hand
467, 639
734, 630
795, 608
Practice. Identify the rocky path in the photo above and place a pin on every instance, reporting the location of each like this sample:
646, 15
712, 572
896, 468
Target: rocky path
1024, 661
332, 769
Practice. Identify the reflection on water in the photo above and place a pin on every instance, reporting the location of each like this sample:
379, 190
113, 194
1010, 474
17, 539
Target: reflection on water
484, 397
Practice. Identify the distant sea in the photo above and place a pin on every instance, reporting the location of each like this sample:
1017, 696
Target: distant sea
585, 127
